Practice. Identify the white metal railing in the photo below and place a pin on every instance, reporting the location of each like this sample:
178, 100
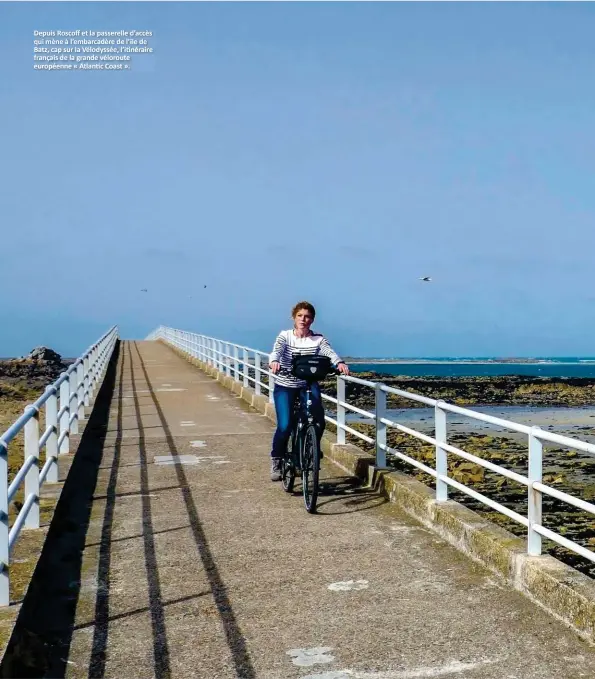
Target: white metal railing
225, 356
65, 401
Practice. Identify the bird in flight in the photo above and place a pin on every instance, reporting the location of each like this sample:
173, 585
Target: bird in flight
427, 279
205, 286
144, 290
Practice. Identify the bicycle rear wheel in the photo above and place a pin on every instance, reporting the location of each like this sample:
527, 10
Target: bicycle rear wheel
310, 467
288, 463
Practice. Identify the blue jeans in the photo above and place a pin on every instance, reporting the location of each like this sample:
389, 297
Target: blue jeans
284, 398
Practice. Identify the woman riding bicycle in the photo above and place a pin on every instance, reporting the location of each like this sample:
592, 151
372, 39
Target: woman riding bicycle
299, 340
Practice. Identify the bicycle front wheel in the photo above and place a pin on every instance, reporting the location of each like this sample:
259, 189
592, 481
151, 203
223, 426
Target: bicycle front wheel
310, 468
288, 463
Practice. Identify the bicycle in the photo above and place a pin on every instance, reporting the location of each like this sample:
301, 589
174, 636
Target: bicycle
303, 451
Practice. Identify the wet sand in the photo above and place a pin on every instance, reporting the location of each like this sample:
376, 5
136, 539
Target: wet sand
575, 422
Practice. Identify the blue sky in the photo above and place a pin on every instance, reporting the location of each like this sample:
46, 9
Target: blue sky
333, 152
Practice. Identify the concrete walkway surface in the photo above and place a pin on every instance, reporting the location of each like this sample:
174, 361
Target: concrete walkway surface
174, 555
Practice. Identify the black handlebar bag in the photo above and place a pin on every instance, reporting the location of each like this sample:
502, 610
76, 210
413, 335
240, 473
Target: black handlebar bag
311, 368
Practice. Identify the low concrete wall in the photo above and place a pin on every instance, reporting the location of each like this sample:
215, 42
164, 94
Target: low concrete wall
556, 587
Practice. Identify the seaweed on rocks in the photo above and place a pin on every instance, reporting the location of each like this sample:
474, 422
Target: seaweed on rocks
465, 391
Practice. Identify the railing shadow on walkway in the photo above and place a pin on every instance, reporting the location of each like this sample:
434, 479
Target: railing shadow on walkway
156, 609
233, 635
40, 642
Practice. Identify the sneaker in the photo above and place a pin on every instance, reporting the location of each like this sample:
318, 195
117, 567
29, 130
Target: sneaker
276, 469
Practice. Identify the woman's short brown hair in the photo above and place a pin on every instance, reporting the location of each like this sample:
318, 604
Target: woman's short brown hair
303, 305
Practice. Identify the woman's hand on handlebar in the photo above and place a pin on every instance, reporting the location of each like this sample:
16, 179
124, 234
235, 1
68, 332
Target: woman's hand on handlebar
275, 366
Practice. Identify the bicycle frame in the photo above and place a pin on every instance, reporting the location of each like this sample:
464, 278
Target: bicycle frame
302, 418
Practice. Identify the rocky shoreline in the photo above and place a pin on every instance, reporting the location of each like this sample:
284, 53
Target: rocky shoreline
566, 470
40, 367
498, 390
22, 381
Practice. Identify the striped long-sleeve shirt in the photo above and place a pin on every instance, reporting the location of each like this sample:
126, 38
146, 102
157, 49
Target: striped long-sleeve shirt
287, 345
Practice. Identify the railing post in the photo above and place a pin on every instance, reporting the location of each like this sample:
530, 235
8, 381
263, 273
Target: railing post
4, 529
100, 363
72, 380
380, 428
271, 382
80, 377
236, 366
93, 372
51, 446
86, 381
535, 499
257, 389
245, 366
341, 410
228, 359
90, 381
65, 417
32, 476
440, 435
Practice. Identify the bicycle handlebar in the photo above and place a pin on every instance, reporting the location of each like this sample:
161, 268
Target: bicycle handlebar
288, 373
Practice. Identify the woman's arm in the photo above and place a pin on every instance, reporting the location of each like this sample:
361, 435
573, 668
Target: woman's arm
327, 350
278, 348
